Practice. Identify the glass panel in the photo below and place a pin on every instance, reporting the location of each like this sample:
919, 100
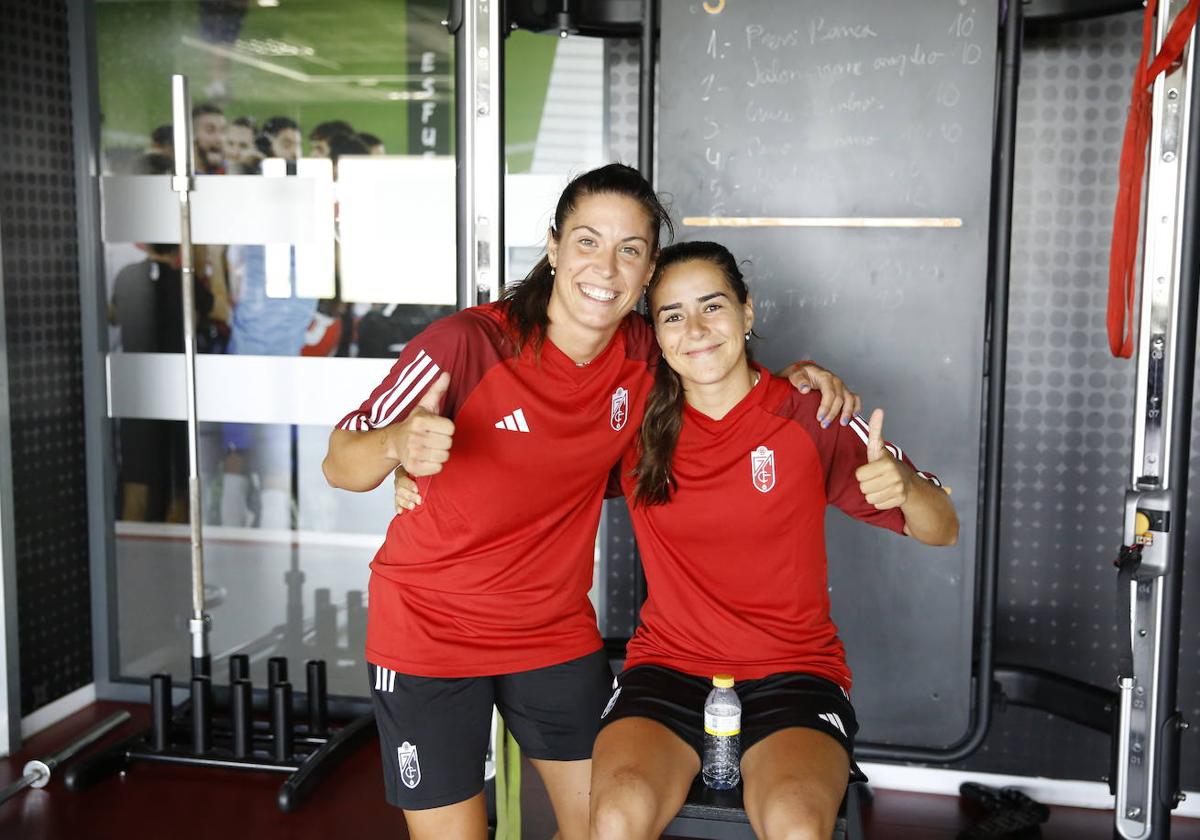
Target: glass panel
379, 218
271, 591
226, 209
554, 104
303, 600
529, 202
299, 105
247, 389
284, 94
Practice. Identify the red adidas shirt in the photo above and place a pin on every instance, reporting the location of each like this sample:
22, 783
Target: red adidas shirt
735, 562
490, 574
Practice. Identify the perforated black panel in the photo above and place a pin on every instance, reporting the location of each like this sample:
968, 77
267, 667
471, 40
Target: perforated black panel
41, 298
1069, 404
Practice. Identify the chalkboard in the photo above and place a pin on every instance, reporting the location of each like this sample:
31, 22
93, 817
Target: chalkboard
850, 142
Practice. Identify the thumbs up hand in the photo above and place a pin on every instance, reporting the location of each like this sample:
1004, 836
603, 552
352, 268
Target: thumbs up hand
421, 442
883, 480
875, 450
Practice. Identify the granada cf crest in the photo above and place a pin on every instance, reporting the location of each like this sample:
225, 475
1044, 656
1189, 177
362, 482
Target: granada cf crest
762, 469
410, 768
620, 409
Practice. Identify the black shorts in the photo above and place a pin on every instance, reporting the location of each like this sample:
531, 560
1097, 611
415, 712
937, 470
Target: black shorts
434, 731
779, 701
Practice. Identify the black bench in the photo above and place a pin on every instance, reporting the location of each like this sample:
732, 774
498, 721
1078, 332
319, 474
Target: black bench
718, 815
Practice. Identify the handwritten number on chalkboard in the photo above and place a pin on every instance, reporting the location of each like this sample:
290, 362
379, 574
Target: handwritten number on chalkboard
951, 132
707, 83
947, 94
963, 25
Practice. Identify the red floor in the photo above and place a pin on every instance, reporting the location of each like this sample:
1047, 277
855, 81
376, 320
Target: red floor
182, 803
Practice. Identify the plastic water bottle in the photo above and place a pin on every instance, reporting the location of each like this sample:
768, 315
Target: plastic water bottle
721, 768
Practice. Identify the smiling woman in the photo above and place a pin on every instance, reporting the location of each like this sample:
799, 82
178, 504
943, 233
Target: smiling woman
702, 327
558, 368
533, 398
600, 266
602, 244
724, 441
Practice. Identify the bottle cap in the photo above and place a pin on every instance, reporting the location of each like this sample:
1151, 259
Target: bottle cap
723, 681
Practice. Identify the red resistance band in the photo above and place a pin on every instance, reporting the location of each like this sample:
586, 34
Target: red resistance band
1122, 273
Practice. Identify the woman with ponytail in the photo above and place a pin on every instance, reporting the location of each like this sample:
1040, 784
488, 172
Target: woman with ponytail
510, 417
728, 486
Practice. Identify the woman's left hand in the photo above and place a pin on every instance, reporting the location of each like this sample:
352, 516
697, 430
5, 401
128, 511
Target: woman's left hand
405, 492
836, 399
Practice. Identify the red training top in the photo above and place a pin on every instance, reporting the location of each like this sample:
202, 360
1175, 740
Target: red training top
490, 574
735, 561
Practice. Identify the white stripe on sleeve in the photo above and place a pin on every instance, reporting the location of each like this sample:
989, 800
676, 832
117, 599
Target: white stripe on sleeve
860, 428
863, 430
378, 402
387, 399
410, 395
932, 479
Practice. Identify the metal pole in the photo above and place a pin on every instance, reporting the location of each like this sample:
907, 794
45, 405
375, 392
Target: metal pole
479, 83
37, 772
183, 183
646, 90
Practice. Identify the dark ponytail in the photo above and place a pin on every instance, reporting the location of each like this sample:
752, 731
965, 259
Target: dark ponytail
527, 302
527, 305
660, 432
663, 417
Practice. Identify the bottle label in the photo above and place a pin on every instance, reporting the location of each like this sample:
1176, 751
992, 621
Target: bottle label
722, 724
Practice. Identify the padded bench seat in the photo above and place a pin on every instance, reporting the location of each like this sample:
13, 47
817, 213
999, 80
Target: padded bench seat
718, 815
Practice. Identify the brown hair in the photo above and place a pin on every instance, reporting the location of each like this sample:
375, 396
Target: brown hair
664, 406
527, 302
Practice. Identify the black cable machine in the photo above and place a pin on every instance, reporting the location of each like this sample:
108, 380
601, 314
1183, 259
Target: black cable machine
1156, 501
1140, 714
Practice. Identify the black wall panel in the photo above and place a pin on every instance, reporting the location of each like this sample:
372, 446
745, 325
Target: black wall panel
1069, 404
41, 298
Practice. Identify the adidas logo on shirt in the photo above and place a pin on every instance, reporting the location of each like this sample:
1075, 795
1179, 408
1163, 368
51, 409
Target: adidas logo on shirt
514, 422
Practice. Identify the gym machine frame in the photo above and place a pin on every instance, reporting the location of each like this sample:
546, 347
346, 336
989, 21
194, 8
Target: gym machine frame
1139, 716
186, 735
1146, 778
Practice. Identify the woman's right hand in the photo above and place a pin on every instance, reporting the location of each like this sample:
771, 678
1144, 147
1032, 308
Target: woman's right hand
406, 495
421, 442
